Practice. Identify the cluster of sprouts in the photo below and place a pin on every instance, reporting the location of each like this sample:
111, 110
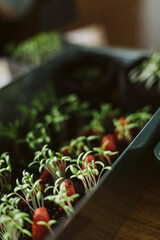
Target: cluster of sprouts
55, 163
148, 72
135, 120
30, 190
83, 160
61, 197
89, 176
12, 219
80, 144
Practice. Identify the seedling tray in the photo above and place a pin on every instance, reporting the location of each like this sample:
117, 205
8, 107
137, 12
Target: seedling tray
100, 213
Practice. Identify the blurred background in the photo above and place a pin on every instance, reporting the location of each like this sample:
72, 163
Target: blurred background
34, 30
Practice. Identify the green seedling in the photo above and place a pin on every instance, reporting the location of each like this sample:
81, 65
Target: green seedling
148, 72
48, 225
80, 144
56, 117
124, 125
12, 219
61, 198
30, 191
107, 154
37, 136
55, 163
90, 176
5, 168
100, 117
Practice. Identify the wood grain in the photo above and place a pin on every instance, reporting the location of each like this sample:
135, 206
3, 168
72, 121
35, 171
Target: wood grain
143, 223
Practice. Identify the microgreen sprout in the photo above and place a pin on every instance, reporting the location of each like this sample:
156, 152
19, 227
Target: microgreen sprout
80, 144
100, 116
71, 104
30, 191
55, 163
10, 130
61, 197
99, 151
123, 125
56, 117
28, 113
140, 117
148, 72
33, 140
89, 176
12, 219
42, 101
48, 225
5, 167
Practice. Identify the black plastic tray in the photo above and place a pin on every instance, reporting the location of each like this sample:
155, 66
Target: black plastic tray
101, 213
23, 89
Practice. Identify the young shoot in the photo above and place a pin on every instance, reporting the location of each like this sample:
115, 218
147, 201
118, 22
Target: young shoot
42, 100
141, 117
61, 197
55, 163
48, 225
5, 171
12, 219
11, 130
56, 117
124, 125
148, 72
37, 136
99, 151
90, 175
101, 116
71, 104
30, 191
80, 144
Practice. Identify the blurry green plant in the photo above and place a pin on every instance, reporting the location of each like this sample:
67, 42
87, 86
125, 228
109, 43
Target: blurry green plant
101, 116
36, 49
37, 136
10, 130
28, 128
148, 72
5, 172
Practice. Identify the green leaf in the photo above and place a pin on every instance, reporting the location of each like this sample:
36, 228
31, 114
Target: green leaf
100, 163
41, 167
48, 188
73, 170
81, 177
26, 232
91, 138
108, 168
79, 158
51, 222
86, 154
38, 195
43, 223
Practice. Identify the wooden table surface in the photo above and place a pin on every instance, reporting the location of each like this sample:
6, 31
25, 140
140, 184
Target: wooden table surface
143, 223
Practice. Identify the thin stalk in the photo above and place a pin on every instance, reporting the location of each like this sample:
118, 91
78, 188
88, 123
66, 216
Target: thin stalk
25, 201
